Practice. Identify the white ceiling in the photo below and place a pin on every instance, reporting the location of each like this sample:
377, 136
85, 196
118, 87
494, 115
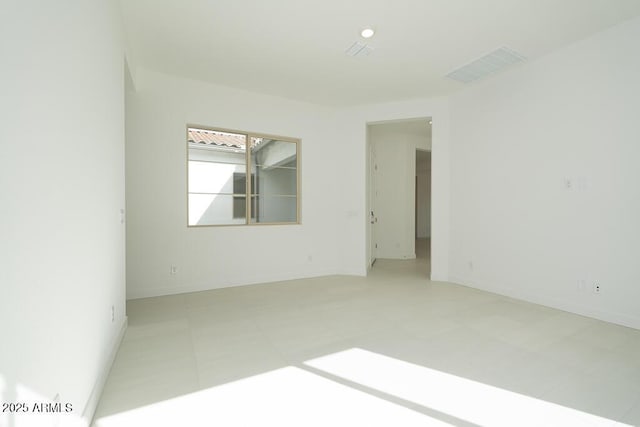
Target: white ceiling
295, 48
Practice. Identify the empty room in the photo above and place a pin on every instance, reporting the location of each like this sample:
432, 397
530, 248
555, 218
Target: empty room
289, 213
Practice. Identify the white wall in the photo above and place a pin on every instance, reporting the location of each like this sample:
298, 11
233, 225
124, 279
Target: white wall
395, 144
213, 257
61, 191
333, 237
516, 140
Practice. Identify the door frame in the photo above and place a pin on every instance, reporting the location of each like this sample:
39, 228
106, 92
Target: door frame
372, 208
370, 185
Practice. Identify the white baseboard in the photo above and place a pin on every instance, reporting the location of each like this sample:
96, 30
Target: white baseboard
96, 392
618, 319
408, 255
208, 286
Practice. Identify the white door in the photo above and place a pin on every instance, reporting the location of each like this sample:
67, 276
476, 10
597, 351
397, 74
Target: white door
373, 197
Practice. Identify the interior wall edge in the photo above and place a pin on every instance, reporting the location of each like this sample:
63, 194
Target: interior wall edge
92, 402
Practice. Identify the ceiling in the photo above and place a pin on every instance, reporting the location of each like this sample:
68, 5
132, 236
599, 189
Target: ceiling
295, 48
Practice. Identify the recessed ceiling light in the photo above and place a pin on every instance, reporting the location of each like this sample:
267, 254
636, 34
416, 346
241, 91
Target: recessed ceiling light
367, 33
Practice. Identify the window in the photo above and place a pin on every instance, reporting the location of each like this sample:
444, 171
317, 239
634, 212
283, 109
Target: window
218, 162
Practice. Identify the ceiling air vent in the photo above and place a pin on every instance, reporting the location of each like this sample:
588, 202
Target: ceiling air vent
359, 49
491, 63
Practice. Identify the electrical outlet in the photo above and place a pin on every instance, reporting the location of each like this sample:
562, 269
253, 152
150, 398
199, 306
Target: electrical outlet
597, 288
173, 270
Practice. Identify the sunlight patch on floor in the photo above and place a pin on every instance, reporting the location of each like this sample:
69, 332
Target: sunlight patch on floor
287, 397
461, 398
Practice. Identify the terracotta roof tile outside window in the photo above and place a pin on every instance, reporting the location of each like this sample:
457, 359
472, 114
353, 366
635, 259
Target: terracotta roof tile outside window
211, 137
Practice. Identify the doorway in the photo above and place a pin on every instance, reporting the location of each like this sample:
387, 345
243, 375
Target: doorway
395, 193
373, 205
423, 205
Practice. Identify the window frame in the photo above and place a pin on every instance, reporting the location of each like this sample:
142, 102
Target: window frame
243, 196
248, 164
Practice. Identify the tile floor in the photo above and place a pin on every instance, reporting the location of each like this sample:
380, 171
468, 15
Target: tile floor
391, 346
